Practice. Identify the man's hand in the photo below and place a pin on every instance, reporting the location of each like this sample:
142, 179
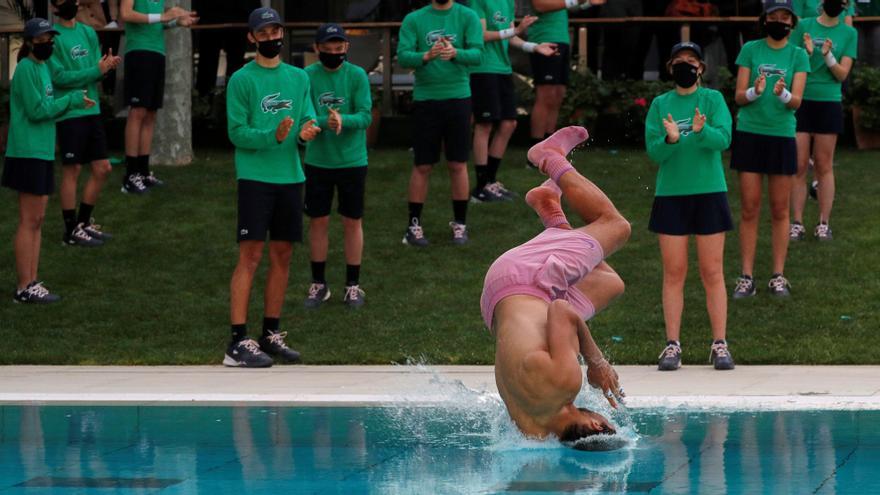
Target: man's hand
309, 131
173, 13
188, 19
435, 51
524, 24
699, 121
109, 62
449, 52
547, 49
334, 122
672, 132
283, 129
601, 375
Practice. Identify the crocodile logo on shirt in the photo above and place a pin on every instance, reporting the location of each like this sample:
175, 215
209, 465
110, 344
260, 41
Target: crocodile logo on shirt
329, 99
769, 70
50, 91
685, 127
271, 104
78, 52
500, 18
818, 42
435, 35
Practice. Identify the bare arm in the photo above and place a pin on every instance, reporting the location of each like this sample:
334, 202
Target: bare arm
128, 14
743, 76
563, 344
798, 83
842, 68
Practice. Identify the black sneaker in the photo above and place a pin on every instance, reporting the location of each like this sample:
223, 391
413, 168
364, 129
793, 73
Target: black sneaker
134, 184
745, 287
459, 233
95, 231
503, 190
274, 345
823, 232
719, 355
318, 294
354, 296
35, 293
670, 358
779, 286
79, 237
797, 232
414, 235
246, 354
152, 181
487, 195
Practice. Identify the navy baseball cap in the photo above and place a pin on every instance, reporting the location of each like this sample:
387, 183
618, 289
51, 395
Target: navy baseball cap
263, 17
37, 26
330, 32
686, 45
774, 5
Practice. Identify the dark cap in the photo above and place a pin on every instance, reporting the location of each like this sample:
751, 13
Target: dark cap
686, 45
37, 26
774, 5
263, 17
330, 32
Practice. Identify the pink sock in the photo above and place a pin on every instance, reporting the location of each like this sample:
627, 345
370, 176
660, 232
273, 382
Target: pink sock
546, 154
544, 199
549, 184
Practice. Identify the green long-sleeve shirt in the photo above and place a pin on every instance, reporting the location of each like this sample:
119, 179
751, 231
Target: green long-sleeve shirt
74, 65
441, 79
693, 164
347, 90
149, 37
257, 100
33, 109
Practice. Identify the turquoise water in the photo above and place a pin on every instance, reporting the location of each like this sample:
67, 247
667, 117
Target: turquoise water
426, 450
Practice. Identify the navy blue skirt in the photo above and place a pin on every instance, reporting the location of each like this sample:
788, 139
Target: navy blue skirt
695, 214
760, 154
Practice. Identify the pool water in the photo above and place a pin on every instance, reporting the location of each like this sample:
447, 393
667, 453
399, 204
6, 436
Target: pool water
426, 450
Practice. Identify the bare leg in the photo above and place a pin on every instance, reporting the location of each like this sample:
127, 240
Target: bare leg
31, 211
482, 132
710, 252
750, 185
353, 233
502, 136
458, 175
146, 137
418, 183
249, 255
276, 280
544, 96
799, 186
553, 106
318, 238
824, 172
67, 191
604, 223
100, 173
601, 286
133, 127
674, 252
780, 198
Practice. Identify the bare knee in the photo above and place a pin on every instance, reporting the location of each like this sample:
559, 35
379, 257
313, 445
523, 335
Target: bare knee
279, 255
457, 168
350, 225
711, 273
249, 258
422, 170
779, 210
750, 211
101, 169
507, 126
675, 273
319, 223
137, 114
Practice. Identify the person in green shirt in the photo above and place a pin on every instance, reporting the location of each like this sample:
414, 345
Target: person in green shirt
77, 65
441, 41
551, 73
145, 24
265, 100
30, 151
493, 95
336, 160
686, 131
832, 47
764, 141
808, 9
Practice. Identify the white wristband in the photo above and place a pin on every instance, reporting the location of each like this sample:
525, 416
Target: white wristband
154, 18
586, 5
507, 33
529, 47
570, 4
830, 59
785, 96
751, 94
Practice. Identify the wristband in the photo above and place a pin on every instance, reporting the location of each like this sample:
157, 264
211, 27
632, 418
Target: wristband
586, 5
154, 18
785, 96
751, 94
830, 59
171, 24
509, 33
570, 4
529, 47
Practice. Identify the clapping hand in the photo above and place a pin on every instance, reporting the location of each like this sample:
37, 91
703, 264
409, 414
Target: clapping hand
699, 121
109, 62
449, 51
435, 51
283, 129
547, 49
525, 23
827, 46
188, 19
309, 131
88, 102
672, 132
779, 86
334, 121
760, 84
808, 44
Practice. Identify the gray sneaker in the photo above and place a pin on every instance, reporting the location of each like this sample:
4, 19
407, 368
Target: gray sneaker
670, 358
719, 355
414, 235
797, 232
459, 233
823, 232
487, 194
354, 296
779, 286
745, 287
318, 294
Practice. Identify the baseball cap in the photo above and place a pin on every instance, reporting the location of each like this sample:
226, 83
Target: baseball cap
774, 5
330, 31
686, 45
262, 17
37, 26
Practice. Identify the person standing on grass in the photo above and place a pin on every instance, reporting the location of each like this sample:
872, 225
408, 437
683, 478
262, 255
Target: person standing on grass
764, 141
30, 151
686, 131
337, 160
551, 73
441, 41
493, 93
266, 100
820, 117
145, 24
77, 65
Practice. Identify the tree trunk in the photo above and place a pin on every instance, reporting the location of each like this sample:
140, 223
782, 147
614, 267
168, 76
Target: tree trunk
173, 141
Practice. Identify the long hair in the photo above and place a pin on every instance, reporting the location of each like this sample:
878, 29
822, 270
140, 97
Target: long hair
25, 49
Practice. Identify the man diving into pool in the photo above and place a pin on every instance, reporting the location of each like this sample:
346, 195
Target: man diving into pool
537, 296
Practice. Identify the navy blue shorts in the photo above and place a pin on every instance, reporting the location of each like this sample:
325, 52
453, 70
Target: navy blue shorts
29, 175
493, 97
273, 209
695, 214
555, 69
820, 117
441, 125
760, 154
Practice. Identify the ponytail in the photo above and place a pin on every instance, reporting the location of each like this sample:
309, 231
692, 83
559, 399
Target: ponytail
25, 49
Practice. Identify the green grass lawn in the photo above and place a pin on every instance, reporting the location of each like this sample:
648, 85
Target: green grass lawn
158, 293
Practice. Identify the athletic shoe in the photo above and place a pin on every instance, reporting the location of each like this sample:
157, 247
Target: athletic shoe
354, 296
779, 286
246, 354
111, 25
459, 233
79, 237
503, 190
797, 232
486, 195
35, 293
134, 184
719, 355
415, 236
670, 358
152, 181
814, 189
95, 231
274, 345
745, 287
318, 294
823, 232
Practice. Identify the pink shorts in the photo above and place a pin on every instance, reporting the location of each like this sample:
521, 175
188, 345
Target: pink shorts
546, 267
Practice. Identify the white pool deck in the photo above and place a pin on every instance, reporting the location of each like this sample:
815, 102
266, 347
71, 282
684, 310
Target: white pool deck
747, 387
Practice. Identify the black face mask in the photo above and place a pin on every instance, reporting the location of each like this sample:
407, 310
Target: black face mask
42, 51
270, 48
777, 30
68, 10
833, 8
442, 2
684, 74
331, 60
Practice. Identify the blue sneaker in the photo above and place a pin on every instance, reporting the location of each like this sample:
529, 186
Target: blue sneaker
719, 355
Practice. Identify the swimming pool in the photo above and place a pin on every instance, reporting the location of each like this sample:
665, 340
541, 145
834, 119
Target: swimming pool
450, 449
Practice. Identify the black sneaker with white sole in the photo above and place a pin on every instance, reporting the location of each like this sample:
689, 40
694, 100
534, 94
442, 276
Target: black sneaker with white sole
318, 294
507, 193
779, 286
459, 233
79, 237
152, 181
274, 345
354, 296
823, 232
719, 356
484, 195
414, 235
96, 231
134, 184
246, 354
670, 358
35, 293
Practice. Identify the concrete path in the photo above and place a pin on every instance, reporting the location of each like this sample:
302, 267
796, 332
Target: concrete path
749, 387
